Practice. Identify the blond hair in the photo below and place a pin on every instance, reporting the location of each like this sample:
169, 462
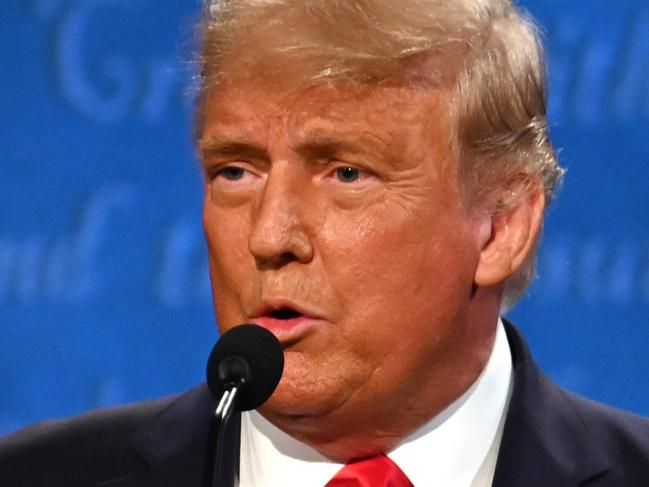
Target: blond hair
493, 56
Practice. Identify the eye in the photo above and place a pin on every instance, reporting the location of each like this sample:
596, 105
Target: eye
231, 173
348, 174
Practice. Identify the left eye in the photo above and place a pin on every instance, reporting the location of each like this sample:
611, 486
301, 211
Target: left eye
348, 174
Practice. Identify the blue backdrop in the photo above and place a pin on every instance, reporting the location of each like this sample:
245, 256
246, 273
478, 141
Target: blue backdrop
104, 295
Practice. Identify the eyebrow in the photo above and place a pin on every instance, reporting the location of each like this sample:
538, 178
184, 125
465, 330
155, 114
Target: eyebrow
325, 145
320, 148
224, 147
317, 146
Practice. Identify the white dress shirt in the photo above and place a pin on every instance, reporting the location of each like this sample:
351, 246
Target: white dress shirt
457, 448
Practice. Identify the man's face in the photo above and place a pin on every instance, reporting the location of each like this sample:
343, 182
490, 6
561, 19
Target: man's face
333, 219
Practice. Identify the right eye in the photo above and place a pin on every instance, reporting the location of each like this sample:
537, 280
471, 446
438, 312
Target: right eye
233, 176
231, 173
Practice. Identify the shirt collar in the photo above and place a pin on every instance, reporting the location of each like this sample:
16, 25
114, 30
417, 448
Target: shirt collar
438, 453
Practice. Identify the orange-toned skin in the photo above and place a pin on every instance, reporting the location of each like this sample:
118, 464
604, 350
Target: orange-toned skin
405, 282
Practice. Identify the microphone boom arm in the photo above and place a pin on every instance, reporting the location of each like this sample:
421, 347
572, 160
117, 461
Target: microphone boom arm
222, 475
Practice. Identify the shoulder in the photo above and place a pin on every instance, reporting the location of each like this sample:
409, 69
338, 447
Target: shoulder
62, 452
623, 435
98, 425
562, 436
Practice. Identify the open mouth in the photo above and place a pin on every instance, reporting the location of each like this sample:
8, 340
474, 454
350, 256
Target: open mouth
289, 323
284, 314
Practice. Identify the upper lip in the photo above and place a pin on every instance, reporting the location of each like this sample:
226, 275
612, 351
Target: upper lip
267, 306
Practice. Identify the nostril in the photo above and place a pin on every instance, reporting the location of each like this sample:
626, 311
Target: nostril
284, 314
268, 261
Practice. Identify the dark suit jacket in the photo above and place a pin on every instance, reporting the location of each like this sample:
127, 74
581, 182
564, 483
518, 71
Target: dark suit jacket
552, 438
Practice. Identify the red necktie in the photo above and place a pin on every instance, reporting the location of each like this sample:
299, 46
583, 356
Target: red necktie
377, 471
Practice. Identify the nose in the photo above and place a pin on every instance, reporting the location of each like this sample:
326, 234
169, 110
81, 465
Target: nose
279, 233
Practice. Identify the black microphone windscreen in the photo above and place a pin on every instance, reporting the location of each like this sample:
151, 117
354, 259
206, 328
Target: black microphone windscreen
248, 354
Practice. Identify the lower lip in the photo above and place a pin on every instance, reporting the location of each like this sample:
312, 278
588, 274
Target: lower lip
288, 330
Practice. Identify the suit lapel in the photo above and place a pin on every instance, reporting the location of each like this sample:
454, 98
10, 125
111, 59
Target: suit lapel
545, 442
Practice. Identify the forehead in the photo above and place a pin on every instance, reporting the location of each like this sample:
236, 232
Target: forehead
245, 100
395, 115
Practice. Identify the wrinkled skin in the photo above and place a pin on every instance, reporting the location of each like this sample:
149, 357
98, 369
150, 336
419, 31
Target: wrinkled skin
343, 202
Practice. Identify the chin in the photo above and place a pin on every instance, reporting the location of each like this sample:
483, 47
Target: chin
307, 388
299, 402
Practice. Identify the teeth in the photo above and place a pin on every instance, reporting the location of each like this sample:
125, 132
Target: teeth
284, 314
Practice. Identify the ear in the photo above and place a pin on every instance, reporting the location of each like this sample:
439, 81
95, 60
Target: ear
508, 238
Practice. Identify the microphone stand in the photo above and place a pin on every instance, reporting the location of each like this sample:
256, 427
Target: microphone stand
245, 352
223, 473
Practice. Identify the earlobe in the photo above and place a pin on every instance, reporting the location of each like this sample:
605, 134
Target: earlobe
511, 238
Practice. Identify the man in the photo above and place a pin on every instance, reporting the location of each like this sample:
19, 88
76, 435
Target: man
376, 173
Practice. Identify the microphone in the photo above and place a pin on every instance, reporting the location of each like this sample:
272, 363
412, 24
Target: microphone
243, 370
248, 358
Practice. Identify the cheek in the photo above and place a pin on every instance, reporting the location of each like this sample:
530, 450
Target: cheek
227, 245
226, 232
397, 271
378, 251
